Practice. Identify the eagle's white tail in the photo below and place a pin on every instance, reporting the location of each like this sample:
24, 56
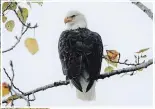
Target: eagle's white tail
86, 96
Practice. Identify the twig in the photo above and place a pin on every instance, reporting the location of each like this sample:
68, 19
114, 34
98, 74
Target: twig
102, 76
13, 75
143, 8
34, 98
124, 63
13, 86
125, 70
12, 83
17, 40
12, 104
22, 96
35, 26
6, 8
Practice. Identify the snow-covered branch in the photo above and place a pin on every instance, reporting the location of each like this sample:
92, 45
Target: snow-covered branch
144, 9
126, 70
102, 76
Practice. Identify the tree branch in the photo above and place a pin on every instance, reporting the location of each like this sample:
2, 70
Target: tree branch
31, 27
6, 8
28, 26
18, 40
13, 86
125, 70
102, 76
123, 63
143, 8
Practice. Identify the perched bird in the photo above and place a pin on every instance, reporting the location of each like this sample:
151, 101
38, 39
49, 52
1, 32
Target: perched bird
80, 52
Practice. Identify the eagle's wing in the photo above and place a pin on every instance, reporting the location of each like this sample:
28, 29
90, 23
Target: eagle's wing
94, 57
69, 59
80, 52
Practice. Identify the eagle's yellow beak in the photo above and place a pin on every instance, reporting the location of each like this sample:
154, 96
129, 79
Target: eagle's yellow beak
68, 19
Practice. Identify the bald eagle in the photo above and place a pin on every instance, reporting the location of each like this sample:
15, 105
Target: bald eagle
80, 52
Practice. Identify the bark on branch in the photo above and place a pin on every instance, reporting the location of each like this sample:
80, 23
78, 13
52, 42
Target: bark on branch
102, 76
143, 8
125, 70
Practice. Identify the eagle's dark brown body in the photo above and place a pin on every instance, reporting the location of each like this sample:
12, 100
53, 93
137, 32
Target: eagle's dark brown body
80, 52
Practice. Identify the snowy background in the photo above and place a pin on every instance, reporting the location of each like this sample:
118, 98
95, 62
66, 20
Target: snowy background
123, 27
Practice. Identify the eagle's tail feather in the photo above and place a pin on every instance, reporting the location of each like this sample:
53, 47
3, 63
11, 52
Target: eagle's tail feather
77, 84
89, 85
86, 95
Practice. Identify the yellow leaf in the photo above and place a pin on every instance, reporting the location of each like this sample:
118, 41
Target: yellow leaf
140, 69
112, 54
114, 62
10, 25
4, 18
32, 45
112, 57
13, 6
9, 99
5, 5
143, 50
39, 2
108, 69
23, 14
5, 89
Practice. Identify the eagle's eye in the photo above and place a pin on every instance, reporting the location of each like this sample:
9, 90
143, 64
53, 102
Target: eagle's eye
73, 16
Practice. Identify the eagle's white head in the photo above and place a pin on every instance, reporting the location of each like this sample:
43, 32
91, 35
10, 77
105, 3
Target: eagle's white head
74, 20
